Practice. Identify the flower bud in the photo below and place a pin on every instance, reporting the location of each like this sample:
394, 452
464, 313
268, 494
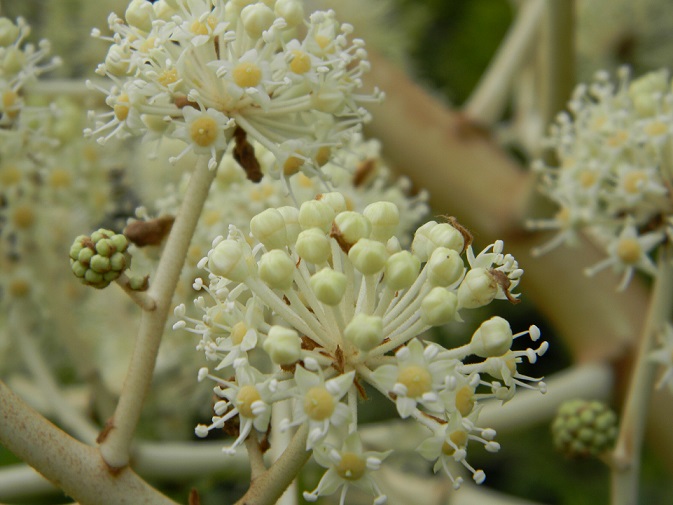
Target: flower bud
368, 256
364, 331
313, 246
644, 90
229, 260
256, 19
335, 200
352, 226
584, 428
401, 270
269, 228
444, 267
117, 61
439, 307
283, 345
478, 288
276, 269
316, 214
329, 286
493, 338
291, 217
291, 11
421, 241
9, 32
445, 235
384, 217
139, 14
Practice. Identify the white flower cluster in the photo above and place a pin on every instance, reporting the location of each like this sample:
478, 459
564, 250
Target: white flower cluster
212, 71
319, 300
614, 168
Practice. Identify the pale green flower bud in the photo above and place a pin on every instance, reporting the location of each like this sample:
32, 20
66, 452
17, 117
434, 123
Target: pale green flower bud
445, 235
493, 338
584, 428
313, 246
291, 11
421, 241
291, 218
401, 270
276, 269
352, 226
256, 19
316, 214
644, 90
478, 288
9, 32
335, 200
229, 260
269, 228
364, 331
444, 267
385, 218
329, 286
117, 62
139, 14
439, 307
368, 256
283, 345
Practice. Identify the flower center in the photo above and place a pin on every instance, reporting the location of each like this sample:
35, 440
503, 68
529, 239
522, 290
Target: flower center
618, 139
198, 28
10, 175
459, 439
246, 396
588, 178
629, 251
19, 288
9, 101
168, 76
238, 331
247, 75
465, 400
121, 108
318, 404
292, 165
59, 178
23, 217
633, 181
203, 131
416, 379
351, 467
301, 62
656, 128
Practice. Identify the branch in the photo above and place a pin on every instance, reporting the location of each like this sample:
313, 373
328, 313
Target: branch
74, 467
116, 442
269, 486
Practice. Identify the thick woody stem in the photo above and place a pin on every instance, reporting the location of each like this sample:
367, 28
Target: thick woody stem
116, 440
627, 453
73, 466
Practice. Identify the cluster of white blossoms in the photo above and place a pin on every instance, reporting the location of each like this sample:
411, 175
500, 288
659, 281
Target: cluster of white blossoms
318, 301
614, 170
211, 72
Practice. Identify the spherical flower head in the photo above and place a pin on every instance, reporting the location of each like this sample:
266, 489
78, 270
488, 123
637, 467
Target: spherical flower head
584, 428
99, 259
216, 71
612, 171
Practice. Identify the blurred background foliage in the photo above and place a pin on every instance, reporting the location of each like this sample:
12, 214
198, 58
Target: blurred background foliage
446, 47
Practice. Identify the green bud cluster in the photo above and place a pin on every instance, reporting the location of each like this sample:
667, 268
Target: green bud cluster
99, 259
584, 428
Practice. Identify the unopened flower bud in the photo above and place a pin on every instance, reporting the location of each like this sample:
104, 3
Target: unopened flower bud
584, 428
329, 286
276, 269
444, 267
291, 217
139, 14
335, 200
256, 19
291, 11
269, 228
368, 256
313, 246
9, 32
352, 226
645, 90
316, 214
364, 331
478, 288
445, 235
439, 307
401, 270
384, 217
421, 241
493, 338
229, 260
99, 259
283, 345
